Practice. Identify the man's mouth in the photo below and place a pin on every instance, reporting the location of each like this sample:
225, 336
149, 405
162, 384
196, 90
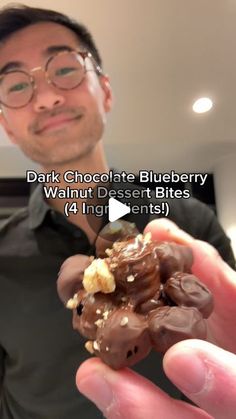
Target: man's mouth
55, 120
55, 123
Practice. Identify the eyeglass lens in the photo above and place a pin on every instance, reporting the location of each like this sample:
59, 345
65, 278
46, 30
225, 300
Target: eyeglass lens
65, 71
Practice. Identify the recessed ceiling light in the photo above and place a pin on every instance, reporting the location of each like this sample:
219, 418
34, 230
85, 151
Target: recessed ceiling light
204, 104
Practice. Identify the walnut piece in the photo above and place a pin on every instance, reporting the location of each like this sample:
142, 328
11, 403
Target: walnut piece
98, 278
89, 346
72, 303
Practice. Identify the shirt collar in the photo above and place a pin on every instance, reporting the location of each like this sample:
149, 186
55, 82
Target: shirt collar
38, 207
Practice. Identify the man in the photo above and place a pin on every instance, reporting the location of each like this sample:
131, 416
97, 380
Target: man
54, 102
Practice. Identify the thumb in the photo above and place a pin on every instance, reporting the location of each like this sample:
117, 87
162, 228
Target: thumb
206, 374
126, 394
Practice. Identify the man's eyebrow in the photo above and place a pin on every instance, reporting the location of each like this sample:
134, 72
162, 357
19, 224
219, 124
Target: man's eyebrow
12, 65
53, 49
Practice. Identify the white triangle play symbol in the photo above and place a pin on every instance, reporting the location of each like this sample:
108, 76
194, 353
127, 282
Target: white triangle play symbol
116, 209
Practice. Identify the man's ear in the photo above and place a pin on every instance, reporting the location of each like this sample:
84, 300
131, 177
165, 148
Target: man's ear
5, 125
106, 87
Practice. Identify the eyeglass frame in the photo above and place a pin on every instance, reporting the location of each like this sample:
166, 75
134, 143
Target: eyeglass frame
83, 54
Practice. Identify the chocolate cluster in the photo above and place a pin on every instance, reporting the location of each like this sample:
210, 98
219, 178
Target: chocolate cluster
138, 294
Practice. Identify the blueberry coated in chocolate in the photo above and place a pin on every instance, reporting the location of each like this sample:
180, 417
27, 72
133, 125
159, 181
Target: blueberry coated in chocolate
169, 325
71, 275
91, 310
124, 340
141, 294
186, 290
112, 232
173, 257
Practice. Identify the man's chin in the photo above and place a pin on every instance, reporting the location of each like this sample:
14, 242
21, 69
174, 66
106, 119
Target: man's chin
65, 159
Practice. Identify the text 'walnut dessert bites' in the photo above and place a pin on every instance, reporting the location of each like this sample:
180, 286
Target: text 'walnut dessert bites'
137, 295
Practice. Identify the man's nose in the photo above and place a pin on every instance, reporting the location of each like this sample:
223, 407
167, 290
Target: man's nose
47, 97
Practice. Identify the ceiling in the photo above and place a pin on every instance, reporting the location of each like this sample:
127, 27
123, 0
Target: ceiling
161, 55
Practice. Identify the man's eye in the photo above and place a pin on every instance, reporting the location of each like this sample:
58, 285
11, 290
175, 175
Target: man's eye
65, 71
19, 87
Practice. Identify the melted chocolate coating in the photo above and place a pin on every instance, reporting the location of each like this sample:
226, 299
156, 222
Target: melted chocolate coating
124, 340
135, 266
173, 257
169, 325
89, 313
186, 290
71, 275
112, 232
152, 304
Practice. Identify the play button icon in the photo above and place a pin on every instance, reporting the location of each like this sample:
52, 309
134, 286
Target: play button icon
116, 209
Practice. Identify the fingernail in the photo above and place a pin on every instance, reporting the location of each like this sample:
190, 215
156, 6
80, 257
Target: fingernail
186, 370
96, 388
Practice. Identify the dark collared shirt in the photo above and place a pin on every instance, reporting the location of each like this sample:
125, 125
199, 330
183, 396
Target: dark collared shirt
39, 350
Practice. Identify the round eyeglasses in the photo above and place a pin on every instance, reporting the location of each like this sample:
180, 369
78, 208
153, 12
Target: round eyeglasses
65, 70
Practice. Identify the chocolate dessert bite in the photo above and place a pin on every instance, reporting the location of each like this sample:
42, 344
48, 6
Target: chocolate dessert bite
138, 295
168, 325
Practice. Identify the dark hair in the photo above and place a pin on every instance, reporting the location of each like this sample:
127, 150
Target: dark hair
17, 16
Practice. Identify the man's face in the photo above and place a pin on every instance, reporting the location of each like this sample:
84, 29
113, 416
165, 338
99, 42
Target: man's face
57, 126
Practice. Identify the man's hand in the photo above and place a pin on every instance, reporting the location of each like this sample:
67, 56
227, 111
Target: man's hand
205, 373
